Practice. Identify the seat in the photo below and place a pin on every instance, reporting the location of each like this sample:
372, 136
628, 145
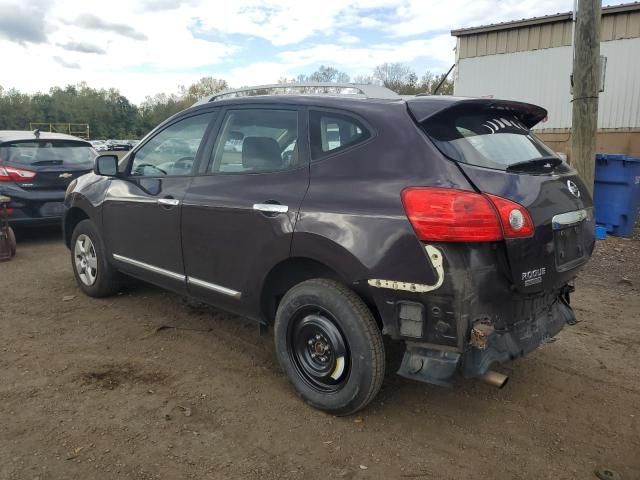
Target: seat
261, 154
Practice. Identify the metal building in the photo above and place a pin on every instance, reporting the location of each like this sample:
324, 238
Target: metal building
531, 60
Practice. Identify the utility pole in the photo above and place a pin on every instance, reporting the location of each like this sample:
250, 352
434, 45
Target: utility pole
586, 86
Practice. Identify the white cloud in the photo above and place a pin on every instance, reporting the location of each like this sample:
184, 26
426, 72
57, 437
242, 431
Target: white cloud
416, 17
348, 39
439, 48
150, 46
260, 73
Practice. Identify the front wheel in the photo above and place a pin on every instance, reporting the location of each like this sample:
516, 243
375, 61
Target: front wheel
94, 274
330, 346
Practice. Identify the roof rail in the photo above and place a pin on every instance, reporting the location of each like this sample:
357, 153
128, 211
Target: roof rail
355, 90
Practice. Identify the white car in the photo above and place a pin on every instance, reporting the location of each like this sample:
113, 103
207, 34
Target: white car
99, 145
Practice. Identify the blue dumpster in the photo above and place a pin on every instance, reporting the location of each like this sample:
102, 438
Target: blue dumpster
616, 192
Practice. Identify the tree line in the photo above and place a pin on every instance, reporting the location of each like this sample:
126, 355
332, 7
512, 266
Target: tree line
111, 115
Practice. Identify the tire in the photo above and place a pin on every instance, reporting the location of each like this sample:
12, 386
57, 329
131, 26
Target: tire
99, 278
318, 322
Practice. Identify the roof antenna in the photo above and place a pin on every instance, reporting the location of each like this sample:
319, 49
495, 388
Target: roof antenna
435, 91
36, 133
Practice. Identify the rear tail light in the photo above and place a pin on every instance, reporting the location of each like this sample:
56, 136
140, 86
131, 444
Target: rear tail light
448, 215
451, 215
12, 174
515, 219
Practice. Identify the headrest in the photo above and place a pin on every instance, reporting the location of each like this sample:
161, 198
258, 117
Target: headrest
261, 153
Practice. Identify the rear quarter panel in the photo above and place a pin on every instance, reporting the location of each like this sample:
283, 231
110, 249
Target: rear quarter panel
352, 218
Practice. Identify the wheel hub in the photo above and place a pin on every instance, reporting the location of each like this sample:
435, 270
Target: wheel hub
85, 260
319, 347
319, 350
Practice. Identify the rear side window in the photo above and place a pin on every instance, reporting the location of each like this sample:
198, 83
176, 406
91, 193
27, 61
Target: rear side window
257, 140
332, 132
47, 152
487, 138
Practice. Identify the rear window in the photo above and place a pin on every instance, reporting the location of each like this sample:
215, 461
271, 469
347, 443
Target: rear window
46, 152
492, 139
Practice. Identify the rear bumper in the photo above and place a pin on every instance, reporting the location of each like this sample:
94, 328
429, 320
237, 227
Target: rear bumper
35, 222
431, 364
522, 338
473, 318
34, 208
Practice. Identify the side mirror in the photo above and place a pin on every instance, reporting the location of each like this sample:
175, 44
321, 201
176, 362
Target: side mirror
106, 165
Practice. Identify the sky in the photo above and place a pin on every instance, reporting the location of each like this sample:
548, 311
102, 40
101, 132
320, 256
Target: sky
144, 47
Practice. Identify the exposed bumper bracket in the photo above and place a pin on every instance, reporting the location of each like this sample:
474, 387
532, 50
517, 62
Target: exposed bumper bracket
429, 365
522, 338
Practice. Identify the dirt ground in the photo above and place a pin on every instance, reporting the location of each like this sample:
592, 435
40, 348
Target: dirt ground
96, 389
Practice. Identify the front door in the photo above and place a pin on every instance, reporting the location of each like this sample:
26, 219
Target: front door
239, 214
141, 211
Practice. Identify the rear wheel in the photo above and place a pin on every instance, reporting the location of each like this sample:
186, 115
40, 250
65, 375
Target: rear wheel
330, 346
94, 274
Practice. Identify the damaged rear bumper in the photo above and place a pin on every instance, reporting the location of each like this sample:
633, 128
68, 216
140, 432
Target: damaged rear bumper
487, 346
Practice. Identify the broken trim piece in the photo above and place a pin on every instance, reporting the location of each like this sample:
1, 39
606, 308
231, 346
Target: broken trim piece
435, 257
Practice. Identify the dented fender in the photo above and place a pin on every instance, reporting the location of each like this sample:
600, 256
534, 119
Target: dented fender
435, 257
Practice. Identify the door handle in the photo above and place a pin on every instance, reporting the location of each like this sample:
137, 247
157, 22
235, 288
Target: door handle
270, 207
168, 202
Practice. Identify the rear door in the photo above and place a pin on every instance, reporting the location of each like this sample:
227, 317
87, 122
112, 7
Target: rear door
492, 143
141, 212
239, 214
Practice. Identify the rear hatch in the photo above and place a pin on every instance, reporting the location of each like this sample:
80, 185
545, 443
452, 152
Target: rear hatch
45, 164
491, 142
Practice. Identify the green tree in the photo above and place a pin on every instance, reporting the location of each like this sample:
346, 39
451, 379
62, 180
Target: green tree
396, 76
429, 82
204, 87
325, 74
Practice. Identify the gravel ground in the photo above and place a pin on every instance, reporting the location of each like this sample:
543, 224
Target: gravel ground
146, 385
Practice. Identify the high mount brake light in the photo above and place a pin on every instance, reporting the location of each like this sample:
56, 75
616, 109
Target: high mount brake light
12, 174
451, 215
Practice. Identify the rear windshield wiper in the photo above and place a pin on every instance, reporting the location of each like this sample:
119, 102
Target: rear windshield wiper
40, 163
547, 163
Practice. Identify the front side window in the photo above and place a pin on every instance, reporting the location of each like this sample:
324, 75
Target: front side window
173, 150
332, 132
257, 140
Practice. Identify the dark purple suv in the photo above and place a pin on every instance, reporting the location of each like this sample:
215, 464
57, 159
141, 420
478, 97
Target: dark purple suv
343, 214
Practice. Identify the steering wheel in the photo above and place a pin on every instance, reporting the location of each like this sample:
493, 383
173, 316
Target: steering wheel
183, 160
139, 168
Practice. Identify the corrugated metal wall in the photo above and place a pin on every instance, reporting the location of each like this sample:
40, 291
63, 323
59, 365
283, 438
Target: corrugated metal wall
616, 26
532, 37
619, 26
542, 77
619, 104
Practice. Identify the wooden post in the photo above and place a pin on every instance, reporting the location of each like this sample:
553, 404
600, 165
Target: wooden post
586, 86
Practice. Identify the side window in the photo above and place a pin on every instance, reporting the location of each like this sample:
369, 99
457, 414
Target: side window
331, 132
257, 140
173, 150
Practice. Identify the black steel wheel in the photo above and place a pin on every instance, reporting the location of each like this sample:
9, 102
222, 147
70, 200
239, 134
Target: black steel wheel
329, 345
318, 349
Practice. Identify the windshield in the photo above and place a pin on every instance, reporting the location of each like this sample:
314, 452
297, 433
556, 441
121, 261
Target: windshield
485, 138
47, 152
